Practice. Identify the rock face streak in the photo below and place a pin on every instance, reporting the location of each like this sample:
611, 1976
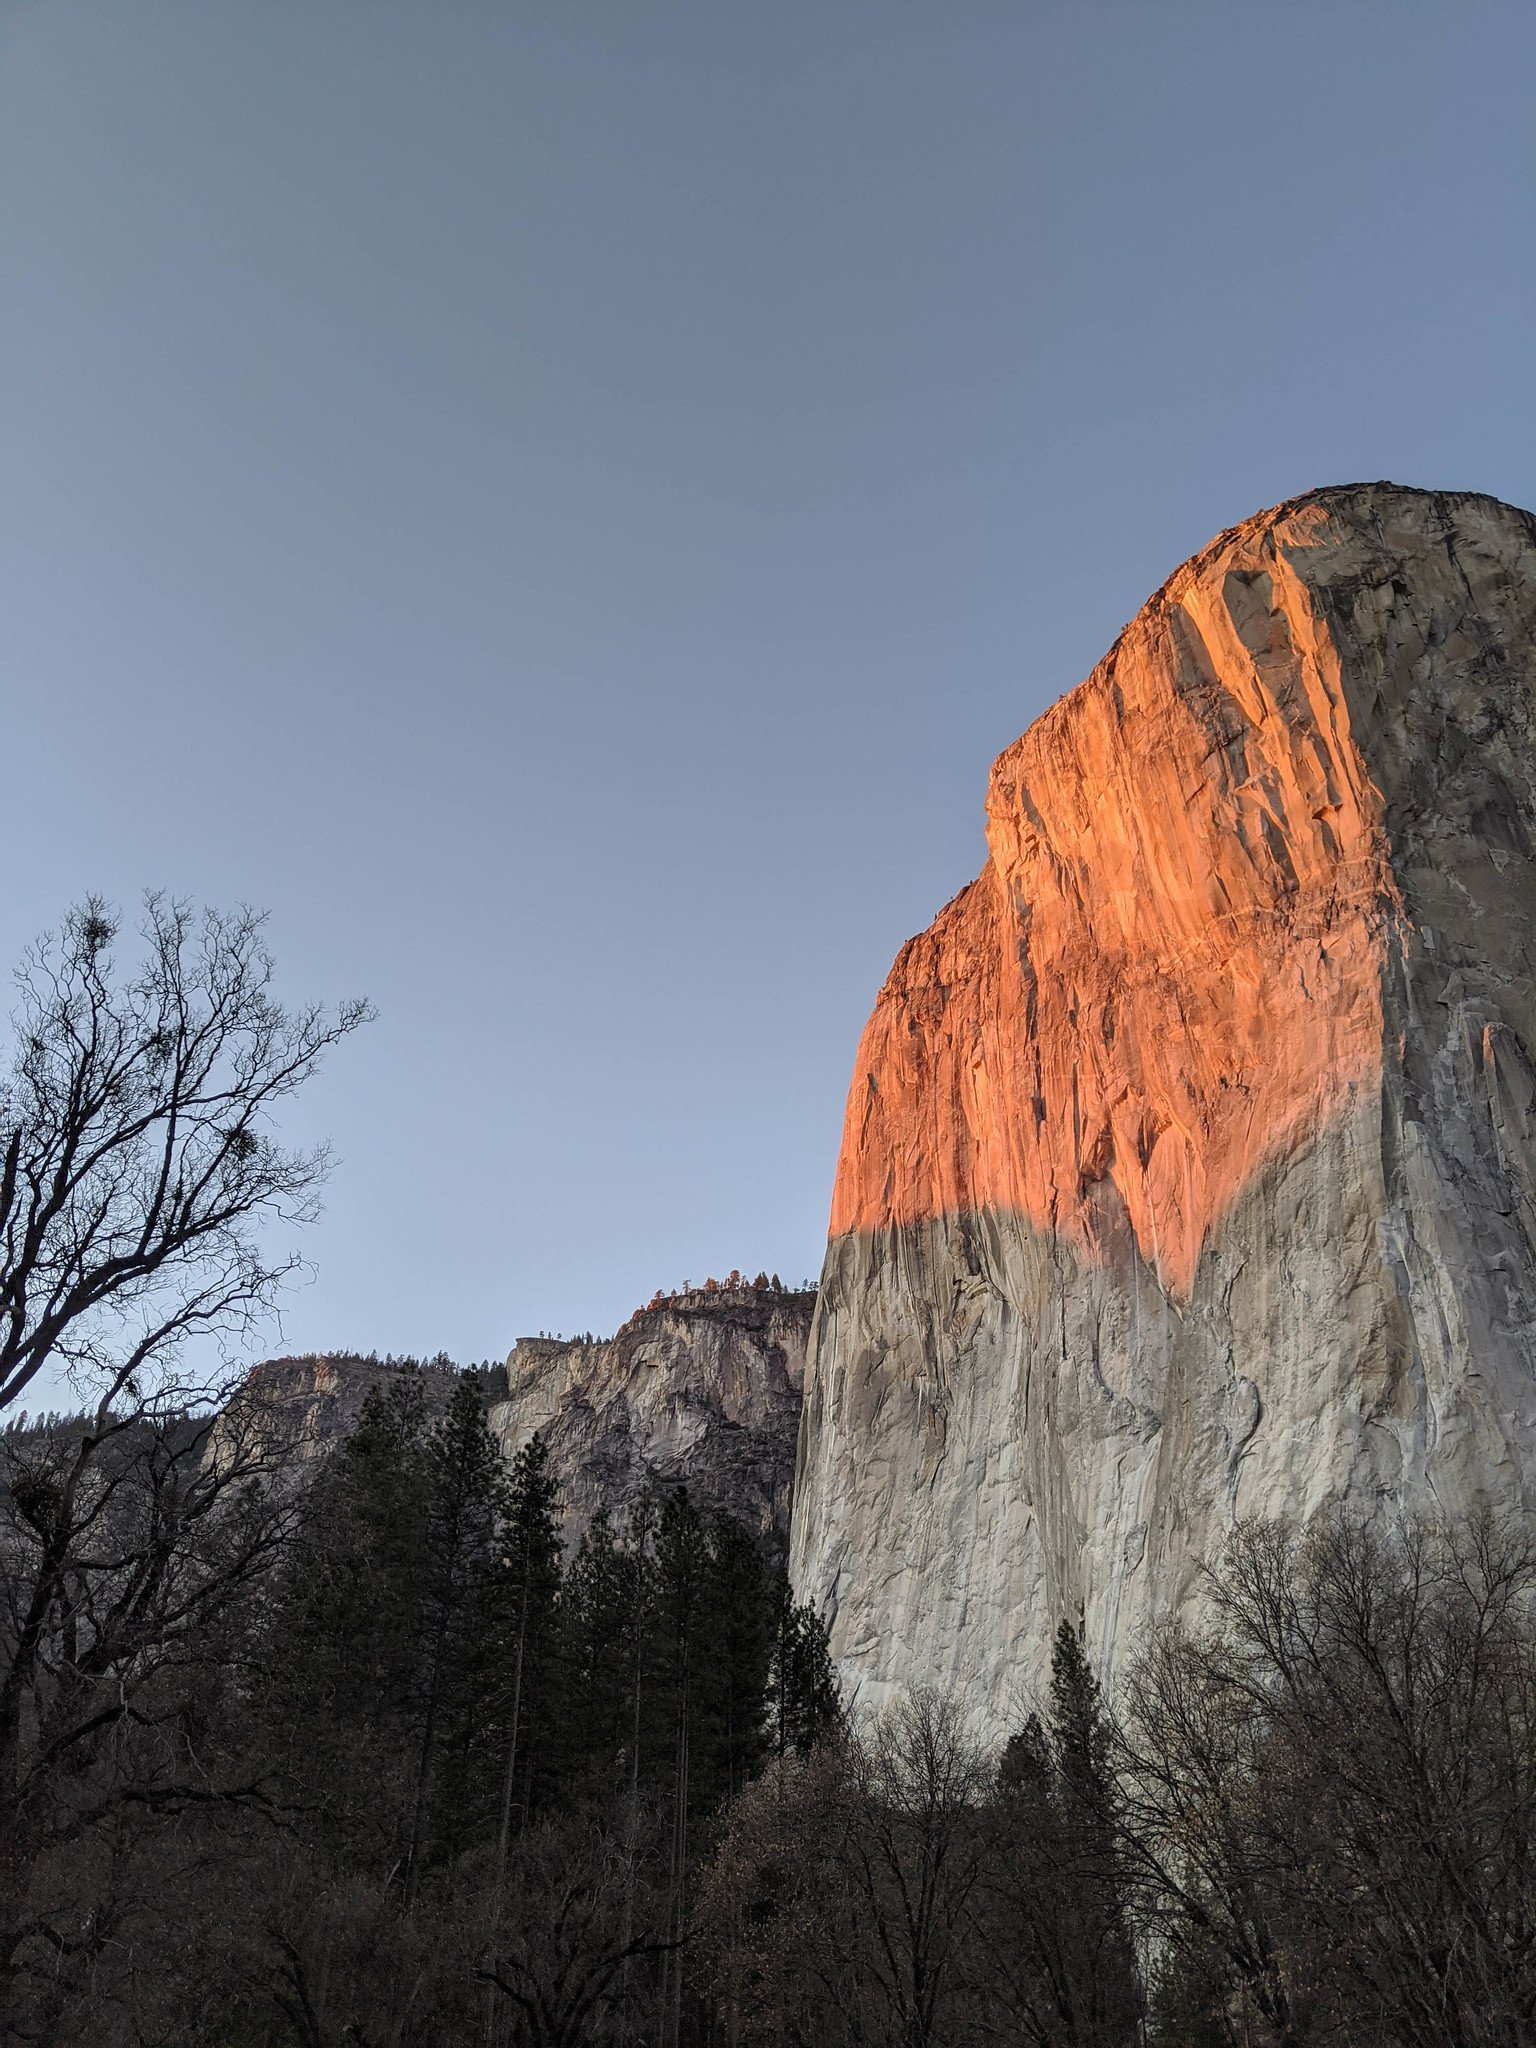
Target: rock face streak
1189, 1168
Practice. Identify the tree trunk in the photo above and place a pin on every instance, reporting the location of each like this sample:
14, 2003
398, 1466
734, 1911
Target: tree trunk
423, 1772
504, 1832
632, 1846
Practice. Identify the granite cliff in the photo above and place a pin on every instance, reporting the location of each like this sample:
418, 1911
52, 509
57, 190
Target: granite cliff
698, 1389
291, 1412
1188, 1165
701, 1388
308, 1402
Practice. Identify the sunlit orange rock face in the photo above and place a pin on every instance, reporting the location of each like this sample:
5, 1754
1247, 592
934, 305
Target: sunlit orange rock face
1170, 968
1189, 1168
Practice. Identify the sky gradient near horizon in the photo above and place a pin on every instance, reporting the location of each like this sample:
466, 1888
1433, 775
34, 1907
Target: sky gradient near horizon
562, 504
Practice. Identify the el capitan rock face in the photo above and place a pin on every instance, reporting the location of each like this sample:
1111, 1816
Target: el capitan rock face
1188, 1165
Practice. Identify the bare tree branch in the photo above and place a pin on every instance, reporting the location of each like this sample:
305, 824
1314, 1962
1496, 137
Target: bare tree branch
139, 1170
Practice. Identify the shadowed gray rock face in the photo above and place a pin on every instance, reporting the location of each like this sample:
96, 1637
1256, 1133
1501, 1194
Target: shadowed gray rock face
293, 1411
701, 1391
1190, 1163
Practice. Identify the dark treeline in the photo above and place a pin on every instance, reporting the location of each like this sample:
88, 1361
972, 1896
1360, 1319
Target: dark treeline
374, 1762
377, 1762
1312, 1822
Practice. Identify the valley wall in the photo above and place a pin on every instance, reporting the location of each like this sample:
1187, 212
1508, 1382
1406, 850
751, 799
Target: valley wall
1187, 1171
701, 1389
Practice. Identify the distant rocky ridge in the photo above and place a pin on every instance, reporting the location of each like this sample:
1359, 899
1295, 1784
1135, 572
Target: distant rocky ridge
701, 1388
1189, 1168
308, 1403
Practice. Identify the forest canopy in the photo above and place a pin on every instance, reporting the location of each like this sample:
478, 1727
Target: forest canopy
376, 1759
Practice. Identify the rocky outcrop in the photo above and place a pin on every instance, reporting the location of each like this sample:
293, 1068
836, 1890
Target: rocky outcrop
288, 1412
1187, 1170
701, 1389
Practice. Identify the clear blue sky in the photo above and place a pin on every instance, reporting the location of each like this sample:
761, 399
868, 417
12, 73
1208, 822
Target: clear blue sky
562, 503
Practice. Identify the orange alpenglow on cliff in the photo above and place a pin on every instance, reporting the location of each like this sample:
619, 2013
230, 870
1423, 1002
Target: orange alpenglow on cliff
1169, 972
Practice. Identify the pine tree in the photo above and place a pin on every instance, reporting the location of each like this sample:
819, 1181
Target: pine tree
802, 1691
1097, 1980
522, 1628
683, 1567
642, 1598
1190, 1992
381, 1484
1079, 1734
597, 1624
342, 1666
462, 1482
732, 1679
524, 1631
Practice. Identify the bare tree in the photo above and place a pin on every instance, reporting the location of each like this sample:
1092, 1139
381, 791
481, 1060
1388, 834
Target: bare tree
127, 1562
916, 1851
138, 1166
139, 1180
1335, 1784
1190, 1756
842, 1901
786, 1942
563, 1969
